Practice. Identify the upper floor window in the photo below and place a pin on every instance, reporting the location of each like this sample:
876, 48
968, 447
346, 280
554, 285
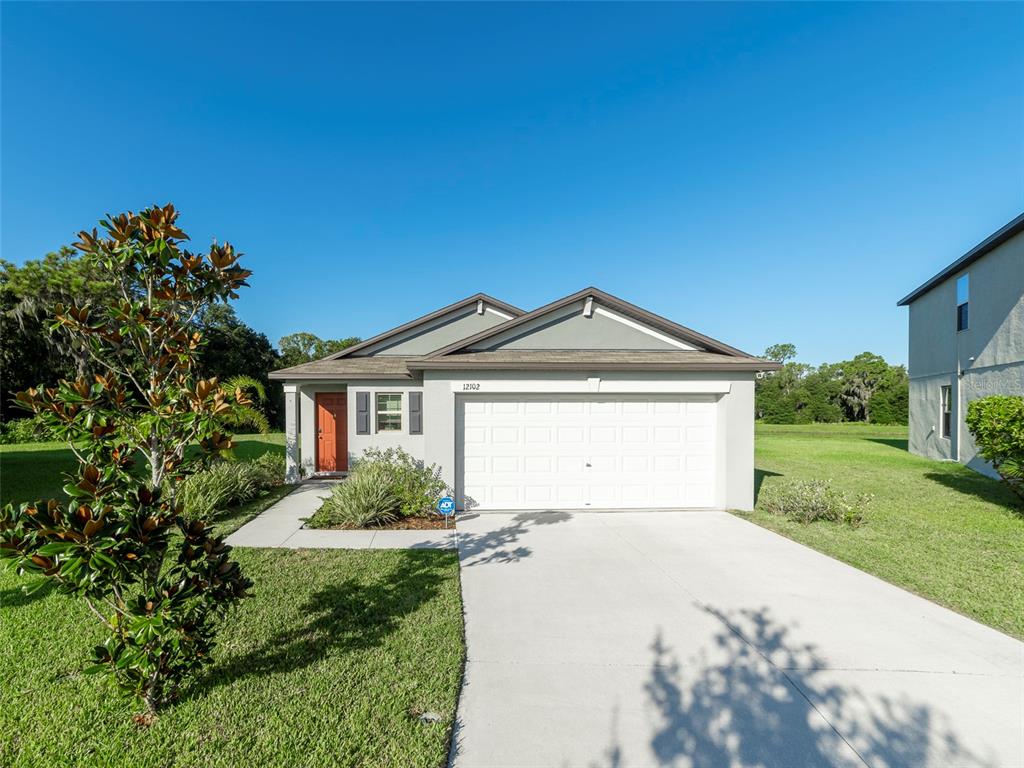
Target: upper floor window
963, 291
389, 412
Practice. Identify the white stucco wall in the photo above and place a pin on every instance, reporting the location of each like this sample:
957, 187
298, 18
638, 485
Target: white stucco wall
306, 393
735, 462
735, 412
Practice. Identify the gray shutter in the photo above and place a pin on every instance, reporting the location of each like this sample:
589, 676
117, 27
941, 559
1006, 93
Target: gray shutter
362, 413
415, 413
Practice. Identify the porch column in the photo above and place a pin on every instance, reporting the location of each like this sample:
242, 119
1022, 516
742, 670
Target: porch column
291, 433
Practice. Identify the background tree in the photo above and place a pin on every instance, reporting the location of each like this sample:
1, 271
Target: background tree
29, 351
303, 347
865, 388
233, 349
158, 579
780, 353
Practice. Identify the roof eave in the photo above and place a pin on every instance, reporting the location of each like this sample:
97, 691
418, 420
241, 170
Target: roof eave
448, 364
990, 243
298, 376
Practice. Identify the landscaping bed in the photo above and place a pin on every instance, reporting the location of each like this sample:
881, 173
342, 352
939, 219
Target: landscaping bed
405, 524
935, 528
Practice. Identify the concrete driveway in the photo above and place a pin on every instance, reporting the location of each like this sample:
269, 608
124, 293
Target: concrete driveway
617, 640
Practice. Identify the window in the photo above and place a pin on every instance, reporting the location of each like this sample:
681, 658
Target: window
963, 287
389, 412
946, 410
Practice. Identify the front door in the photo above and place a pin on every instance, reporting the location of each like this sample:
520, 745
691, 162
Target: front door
331, 432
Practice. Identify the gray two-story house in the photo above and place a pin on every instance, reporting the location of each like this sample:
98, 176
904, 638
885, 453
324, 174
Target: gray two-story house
966, 342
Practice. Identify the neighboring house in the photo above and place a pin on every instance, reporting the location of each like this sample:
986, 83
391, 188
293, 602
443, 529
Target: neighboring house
588, 402
966, 342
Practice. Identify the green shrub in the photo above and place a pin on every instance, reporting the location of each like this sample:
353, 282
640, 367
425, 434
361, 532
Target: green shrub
997, 424
808, 501
367, 498
417, 487
228, 483
24, 431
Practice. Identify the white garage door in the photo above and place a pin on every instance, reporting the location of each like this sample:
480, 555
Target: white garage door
579, 451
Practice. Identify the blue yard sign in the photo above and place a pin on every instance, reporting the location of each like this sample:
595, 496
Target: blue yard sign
446, 506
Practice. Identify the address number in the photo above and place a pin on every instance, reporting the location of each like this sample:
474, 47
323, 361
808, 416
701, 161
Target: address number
471, 386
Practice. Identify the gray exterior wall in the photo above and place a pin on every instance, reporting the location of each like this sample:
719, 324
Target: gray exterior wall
994, 339
440, 333
568, 328
734, 464
413, 444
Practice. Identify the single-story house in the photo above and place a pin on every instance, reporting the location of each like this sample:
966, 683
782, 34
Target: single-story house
966, 342
589, 402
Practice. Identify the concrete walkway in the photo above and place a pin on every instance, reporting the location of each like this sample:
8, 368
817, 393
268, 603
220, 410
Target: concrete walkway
280, 525
697, 639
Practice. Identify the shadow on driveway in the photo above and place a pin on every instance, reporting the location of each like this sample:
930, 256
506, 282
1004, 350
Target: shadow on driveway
739, 711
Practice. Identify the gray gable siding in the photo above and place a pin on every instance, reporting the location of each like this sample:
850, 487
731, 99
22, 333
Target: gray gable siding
995, 335
568, 328
442, 332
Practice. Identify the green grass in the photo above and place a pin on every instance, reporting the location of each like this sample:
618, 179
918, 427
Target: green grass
934, 528
329, 663
31, 471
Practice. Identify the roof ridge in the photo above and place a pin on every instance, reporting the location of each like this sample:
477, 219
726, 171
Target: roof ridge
672, 327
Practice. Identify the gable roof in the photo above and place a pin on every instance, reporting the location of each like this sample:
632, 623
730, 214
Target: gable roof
426, 319
624, 307
704, 354
594, 360
990, 243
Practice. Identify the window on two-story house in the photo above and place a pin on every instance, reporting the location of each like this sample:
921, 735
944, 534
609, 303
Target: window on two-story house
962, 300
945, 410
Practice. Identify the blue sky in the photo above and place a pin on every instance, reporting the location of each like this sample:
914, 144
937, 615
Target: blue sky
761, 173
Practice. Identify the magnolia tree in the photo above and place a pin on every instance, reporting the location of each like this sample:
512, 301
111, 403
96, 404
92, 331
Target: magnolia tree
157, 579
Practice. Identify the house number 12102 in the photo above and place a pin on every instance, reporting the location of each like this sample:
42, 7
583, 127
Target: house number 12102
470, 386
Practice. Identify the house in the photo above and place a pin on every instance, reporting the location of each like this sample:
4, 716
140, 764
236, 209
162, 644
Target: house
966, 342
588, 402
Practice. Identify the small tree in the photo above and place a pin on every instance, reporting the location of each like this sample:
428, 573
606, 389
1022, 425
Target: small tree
157, 579
997, 424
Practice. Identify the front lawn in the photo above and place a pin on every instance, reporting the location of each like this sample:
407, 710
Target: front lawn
934, 528
30, 471
330, 663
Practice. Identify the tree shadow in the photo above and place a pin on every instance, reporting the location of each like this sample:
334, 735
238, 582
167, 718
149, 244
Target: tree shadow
355, 614
988, 489
892, 442
502, 544
759, 476
16, 597
729, 706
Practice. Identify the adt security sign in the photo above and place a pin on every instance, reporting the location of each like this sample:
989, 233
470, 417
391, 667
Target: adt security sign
446, 506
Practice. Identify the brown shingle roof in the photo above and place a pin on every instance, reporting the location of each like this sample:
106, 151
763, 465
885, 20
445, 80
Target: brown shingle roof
576, 359
380, 367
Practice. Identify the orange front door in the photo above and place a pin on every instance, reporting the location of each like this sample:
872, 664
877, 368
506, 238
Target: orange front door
331, 433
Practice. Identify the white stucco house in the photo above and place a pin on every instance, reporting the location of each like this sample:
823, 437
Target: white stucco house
966, 342
588, 402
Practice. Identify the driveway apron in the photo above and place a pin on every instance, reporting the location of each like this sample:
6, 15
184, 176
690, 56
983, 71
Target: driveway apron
698, 639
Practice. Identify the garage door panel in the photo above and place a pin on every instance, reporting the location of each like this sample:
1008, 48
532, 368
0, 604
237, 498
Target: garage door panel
577, 451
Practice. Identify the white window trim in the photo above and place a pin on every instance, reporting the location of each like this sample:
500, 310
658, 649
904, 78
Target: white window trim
377, 412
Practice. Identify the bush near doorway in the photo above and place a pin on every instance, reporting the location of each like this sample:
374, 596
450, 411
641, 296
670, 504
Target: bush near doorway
385, 487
